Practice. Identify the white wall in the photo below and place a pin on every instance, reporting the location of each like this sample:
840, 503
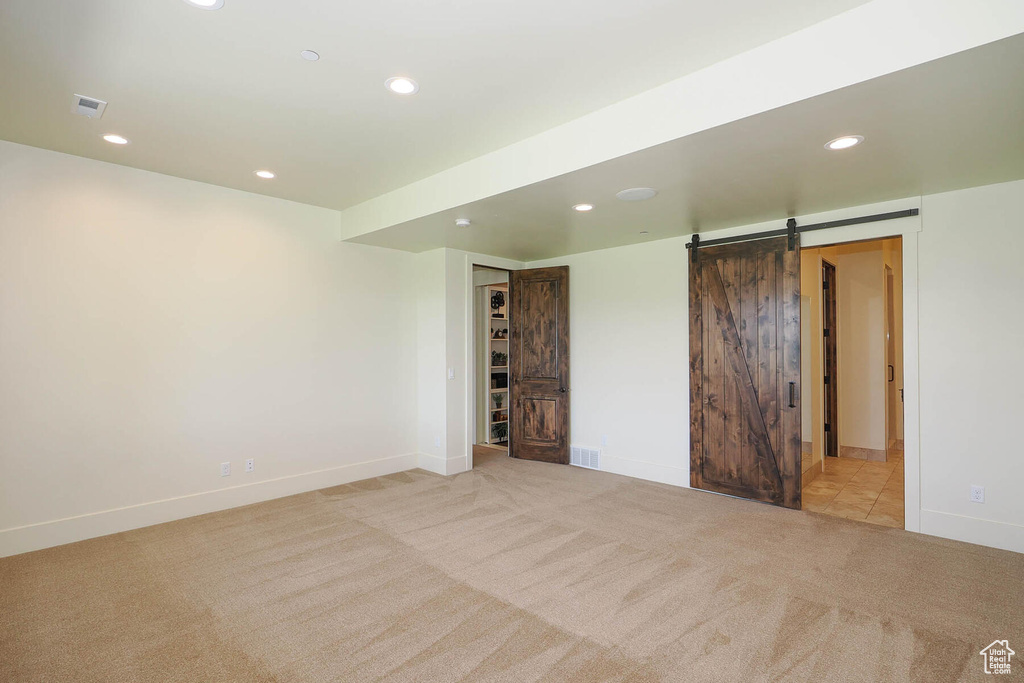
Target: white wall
152, 328
629, 357
429, 291
972, 378
892, 254
446, 412
811, 367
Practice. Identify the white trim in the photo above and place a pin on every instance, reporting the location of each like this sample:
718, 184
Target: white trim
641, 469
70, 529
469, 334
434, 463
972, 530
908, 229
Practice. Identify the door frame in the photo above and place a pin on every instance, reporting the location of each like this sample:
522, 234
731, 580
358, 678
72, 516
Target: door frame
908, 229
471, 364
468, 332
832, 436
891, 385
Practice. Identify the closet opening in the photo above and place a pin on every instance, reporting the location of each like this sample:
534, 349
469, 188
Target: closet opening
492, 331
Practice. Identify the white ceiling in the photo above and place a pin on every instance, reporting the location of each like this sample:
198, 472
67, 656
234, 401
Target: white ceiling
212, 96
947, 124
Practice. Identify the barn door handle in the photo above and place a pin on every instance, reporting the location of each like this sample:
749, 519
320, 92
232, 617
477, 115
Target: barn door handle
792, 394
892, 374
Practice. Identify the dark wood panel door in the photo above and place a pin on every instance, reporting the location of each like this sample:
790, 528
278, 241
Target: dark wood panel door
830, 390
539, 361
745, 437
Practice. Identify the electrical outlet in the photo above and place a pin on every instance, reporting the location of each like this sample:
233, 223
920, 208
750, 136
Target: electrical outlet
250, 465
604, 439
977, 494
437, 442
225, 469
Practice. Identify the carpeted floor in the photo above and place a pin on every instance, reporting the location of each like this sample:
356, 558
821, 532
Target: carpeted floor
516, 571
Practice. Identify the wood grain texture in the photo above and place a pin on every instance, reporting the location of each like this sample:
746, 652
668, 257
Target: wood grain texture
696, 373
743, 405
539, 364
742, 350
792, 437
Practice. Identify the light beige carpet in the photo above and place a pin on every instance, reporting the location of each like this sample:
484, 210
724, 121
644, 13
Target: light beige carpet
516, 571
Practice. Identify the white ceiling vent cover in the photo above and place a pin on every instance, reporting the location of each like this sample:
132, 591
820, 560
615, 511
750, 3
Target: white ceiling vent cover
585, 457
87, 106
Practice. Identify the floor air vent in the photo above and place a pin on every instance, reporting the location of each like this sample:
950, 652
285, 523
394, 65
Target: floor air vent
585, 457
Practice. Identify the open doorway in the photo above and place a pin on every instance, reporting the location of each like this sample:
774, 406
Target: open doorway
853, 377
519, 395
492, 331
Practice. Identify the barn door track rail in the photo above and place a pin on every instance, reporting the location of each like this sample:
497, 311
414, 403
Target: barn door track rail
792, 230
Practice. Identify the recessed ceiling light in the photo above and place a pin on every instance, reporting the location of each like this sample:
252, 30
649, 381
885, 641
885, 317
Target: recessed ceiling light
462, 223
402, 85
116, 139
844, 142
310, 55
206, 4
636, 194
583, 207
266, 175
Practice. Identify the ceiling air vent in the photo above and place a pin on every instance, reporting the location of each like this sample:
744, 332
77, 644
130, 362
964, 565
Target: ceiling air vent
87, 106
585, 457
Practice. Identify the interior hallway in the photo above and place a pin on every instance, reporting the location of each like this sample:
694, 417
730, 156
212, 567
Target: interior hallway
859, 489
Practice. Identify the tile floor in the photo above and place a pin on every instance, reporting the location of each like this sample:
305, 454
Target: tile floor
859, 489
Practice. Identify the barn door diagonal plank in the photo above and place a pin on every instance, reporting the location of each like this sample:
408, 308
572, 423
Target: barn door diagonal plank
757, 430
744, 370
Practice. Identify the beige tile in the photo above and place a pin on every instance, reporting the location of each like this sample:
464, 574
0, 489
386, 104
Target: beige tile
848, 510
817, 500
858, 494
871, 475
890, 498
886, 515
825, 486
834, 478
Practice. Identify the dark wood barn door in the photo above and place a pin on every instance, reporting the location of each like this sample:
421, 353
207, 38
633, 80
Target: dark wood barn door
745, 437
539, 359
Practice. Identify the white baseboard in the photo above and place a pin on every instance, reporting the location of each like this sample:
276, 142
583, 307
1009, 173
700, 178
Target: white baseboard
973, 530
432, 463
60, 531
440, 465
640, 469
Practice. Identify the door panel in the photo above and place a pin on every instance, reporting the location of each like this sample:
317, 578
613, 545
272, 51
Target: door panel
744, 354
540, 332
540, 364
